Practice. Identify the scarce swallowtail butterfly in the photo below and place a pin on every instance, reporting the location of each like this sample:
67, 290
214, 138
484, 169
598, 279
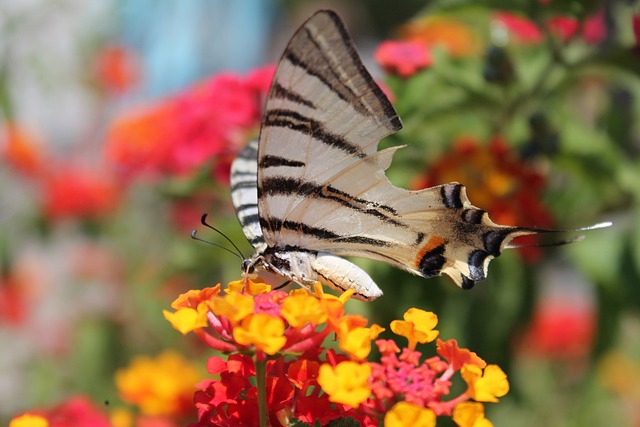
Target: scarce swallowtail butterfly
313, 188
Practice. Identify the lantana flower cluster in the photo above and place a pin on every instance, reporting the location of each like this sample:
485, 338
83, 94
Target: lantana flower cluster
299, 355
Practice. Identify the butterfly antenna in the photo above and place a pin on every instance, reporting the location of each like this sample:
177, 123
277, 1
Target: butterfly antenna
194, 237
203, 221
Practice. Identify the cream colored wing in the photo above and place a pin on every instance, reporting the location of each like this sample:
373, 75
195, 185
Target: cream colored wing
321, 180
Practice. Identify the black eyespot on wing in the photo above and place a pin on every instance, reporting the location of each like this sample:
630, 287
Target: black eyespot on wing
450, 195
473, 216
432, 262
476, 265
467, 283
493, 240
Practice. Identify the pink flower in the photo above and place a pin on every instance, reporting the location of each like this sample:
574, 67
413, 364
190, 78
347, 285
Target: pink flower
523, 30
404, 58
595, 29
205, 124
564, 27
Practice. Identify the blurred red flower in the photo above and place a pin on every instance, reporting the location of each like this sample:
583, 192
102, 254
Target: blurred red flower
77, 411
78, 192
561, 329
116, 68
497, 181
20, 149
404, 58
183, 133
12, 302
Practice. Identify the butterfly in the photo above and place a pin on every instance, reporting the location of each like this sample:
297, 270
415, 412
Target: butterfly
313, 187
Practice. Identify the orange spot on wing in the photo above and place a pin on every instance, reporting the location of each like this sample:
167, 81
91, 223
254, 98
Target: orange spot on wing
432, 243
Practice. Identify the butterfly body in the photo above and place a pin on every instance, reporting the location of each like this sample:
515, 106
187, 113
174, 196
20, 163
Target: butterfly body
313, 188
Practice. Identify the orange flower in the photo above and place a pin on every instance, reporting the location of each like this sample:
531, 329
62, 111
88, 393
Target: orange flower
20, 149
139, 142
116, 68
454, 35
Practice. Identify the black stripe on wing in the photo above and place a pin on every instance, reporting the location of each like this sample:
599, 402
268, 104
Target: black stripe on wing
320, 233
311, 127
294, 186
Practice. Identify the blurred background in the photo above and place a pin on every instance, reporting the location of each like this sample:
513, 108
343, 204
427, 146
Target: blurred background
118, 122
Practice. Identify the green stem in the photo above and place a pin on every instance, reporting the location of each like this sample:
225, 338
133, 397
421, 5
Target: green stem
261, 378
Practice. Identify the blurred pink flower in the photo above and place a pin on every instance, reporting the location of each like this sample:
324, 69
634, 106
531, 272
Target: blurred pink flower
77, 411
594, 30
564, 27
523, 30
404, 58
183, 133
527, 32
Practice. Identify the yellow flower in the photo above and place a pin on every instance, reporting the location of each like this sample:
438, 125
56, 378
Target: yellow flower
263, 331
162, 385
348, 383
405, 414
29, 420
121, 417
249, 286
485, 386
417, 327
234, 306
186, 320
357, 342
303, 308
470, 414
319, 293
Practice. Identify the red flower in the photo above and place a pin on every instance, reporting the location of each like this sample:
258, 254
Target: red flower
523, 30
116, 69
12, 302
561, 328
404, 58
635, 24
79, 192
